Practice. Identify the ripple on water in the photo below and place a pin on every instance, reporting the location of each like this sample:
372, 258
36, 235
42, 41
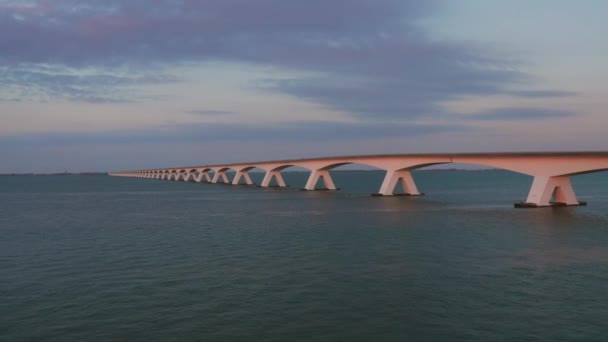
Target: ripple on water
101, 258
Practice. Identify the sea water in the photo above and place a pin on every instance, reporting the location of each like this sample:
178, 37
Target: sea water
99, 258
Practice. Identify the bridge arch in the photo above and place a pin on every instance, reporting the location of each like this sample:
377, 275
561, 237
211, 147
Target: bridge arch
220, 175
199, 175
587, 172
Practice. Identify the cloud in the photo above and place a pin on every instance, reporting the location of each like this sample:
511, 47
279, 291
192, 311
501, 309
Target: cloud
41, 82
211, 112
116, 31
542, 93
513, 114
372, 58
305, 131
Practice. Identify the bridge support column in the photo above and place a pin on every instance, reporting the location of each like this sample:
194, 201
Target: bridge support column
203, 176
244, 175
314, 179
277, 176
550, 192
391, 180
222, 175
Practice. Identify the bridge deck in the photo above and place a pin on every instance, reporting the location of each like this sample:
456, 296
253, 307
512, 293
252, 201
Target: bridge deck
403, 155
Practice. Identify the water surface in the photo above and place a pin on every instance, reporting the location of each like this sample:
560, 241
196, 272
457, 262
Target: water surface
87, 258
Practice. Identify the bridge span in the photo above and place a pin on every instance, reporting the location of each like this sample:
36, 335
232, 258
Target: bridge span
551, 184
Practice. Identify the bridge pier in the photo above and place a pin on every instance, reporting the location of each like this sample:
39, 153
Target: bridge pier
220, 174
392, 178
188, 176
314, 179
244, 175
550, 192
203, 175
277, 176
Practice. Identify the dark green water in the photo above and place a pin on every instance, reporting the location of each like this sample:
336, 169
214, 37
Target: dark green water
97, 258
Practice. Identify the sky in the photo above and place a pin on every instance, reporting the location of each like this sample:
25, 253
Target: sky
102, 85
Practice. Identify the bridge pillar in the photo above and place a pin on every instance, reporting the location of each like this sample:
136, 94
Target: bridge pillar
220, 174
391, 180
314, 179
550, 191
277, 176
244, 175
203, 175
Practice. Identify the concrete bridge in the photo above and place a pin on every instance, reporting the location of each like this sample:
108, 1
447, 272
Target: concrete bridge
551, 171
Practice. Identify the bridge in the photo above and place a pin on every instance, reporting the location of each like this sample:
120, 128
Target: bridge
551, 184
